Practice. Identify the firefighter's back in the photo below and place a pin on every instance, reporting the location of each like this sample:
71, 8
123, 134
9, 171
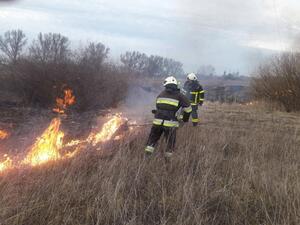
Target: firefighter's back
168, 103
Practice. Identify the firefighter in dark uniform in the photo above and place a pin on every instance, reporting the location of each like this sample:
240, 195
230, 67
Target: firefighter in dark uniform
168, 103
195, 93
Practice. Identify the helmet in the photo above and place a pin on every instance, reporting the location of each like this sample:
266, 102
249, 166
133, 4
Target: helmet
170, 80
191, 76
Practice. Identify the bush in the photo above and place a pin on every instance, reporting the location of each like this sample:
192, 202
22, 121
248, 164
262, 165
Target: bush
278, 82
38, 78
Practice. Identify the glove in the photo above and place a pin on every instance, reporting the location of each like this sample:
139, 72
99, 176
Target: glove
180, 117
153, 111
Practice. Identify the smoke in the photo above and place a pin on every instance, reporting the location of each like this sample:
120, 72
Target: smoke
219, 33
139, 102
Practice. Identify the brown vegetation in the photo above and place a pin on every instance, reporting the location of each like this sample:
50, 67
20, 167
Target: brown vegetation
37, 76
278, 82
241, 166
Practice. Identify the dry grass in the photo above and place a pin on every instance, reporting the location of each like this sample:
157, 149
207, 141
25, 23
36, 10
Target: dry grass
241, 166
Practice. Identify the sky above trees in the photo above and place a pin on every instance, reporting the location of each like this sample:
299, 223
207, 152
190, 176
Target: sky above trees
229, 34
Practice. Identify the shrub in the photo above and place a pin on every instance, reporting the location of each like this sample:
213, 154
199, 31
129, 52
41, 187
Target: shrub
51, 66
278, 81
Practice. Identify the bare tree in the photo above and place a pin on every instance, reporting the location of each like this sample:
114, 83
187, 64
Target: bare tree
278, 80
160, 66
50, 47
12, 43
172, 67
135, 61
206, 70
93, 56
153, 66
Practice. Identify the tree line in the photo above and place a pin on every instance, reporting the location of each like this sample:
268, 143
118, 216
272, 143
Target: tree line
54, 48
37, 71
151, 66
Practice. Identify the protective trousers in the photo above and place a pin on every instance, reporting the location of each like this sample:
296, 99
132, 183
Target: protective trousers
195, 119
155, 134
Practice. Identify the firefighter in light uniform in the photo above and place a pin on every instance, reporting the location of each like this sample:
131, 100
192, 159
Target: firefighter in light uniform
195, 93
168, 103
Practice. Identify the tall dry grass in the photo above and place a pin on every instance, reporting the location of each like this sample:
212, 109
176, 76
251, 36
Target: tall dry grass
241, 166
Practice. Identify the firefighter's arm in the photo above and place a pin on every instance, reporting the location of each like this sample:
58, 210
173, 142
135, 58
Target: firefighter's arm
186, 107
185, 89
153, 111
201, 95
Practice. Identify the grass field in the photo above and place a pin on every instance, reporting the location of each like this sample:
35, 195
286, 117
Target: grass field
240, 166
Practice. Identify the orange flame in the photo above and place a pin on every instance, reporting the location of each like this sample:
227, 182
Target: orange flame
3, 134
62, 104
47, 147
6, 164
108, 130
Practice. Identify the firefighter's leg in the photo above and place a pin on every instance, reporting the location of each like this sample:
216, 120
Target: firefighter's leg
195, 119
170, 135
155, 133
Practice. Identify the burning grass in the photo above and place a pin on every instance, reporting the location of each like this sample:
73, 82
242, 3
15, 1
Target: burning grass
49, 146
6, 163
3, 134
108, 131
241, 166
63, 103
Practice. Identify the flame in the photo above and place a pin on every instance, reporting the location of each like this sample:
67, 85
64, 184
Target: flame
108, 130
47, 147
117, 138
6, 164
73, 143
3, 134
62, 104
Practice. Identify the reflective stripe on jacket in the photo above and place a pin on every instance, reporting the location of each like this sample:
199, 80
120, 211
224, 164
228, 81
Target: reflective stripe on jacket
194, 92
168, 103
165, 123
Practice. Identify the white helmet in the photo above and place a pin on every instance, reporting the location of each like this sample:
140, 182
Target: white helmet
170, 80
191, 76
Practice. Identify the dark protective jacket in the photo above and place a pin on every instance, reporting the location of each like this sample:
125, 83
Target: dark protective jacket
194, 92
168, 103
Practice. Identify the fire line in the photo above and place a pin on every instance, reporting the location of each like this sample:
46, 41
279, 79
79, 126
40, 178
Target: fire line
49, 146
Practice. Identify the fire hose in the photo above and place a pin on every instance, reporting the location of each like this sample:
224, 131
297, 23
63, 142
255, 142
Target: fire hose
179, 117
139, 125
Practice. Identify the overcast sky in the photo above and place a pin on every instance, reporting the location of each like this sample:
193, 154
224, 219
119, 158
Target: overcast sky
229, 34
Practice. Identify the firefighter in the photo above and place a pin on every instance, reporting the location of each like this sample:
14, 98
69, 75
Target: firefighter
195, 93
165, 122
